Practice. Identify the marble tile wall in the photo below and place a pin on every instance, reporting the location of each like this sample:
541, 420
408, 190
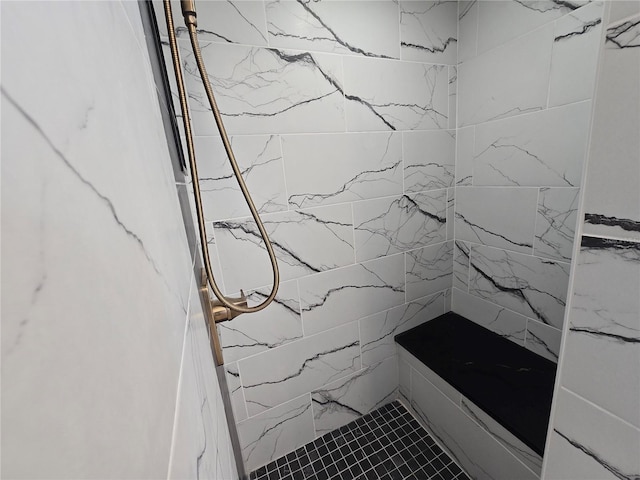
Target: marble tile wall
595, 424
106, 367
342, 115
525, 78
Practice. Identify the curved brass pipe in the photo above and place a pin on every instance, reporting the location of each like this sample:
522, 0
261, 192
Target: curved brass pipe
230, 307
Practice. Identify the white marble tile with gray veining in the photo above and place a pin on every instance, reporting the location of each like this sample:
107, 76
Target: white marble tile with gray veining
276, 325
340, 296
335, 168
305, 242
453, 96
367, 28
541, 149
493, 317
467, 30
266, 90
404, 373
461, 265
390, 225
465, 141
279, 375
234, 384
377, 331
500, 217
374, 101
451, 207
428, 31
506, 81
429, 160
556, 223
429, 270
576, 42
604, 327
260, 161
276, 432
528, 285
543, 340
347, 399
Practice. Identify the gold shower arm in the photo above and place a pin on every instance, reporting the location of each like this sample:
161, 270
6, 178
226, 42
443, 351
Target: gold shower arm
224, 308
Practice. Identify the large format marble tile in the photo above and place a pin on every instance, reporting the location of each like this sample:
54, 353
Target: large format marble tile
276, 325
467, 29
506, 81
324, 169
461, 265
451, 209
347, 399
623, 10
612, 197
501, 21
276, 432
224, 22
453, 96
234, 384
390, 225
465, 141
493, 317
470, 445
417, 367
500, 217
368, 28
541, 149
377, 331
429, 160
543, 340
374, 100
429, 270
589, 443
260, 161
276, 376
266, 90
528, 285
428, 31
604, 327
305, 242
556, 223
347, 294
576, 43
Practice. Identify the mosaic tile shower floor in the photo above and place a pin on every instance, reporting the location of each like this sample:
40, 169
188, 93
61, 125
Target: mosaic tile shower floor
386, 444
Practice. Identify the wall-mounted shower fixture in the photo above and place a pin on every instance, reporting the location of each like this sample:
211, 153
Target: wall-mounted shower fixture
223, 308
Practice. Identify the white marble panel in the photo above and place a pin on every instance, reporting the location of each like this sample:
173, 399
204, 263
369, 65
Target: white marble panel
429, 160
475, 449
588, 443
368, 28
461, 265
429, 270
612, 197
340, 296
528, 285
541, 149
500, 217
467, 30
345, 400
501, 21
543, 340
377, 331
448, 299
96, 268
220, 21
506, 81
493, 317
623, 10
276, 376
556, 223
604, 327
404, 389
451, 208
390, 225
276, 325
453, 96
324, 169
465, 144
390, 95
305, 242
234, 384
276, 432
266, 90
260, 161
428, 31
512, 443
576, 43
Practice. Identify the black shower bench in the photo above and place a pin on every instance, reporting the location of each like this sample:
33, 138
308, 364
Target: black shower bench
511, 384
